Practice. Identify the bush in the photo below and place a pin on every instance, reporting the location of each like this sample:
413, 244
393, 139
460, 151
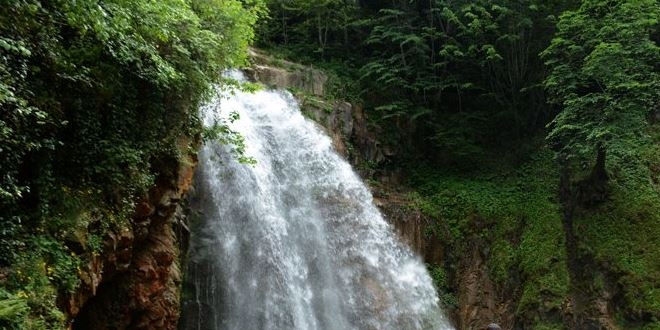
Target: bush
94, 96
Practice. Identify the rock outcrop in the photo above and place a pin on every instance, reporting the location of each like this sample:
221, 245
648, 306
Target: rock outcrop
286, 75
344, 122
478, 301
134, 282
409, 223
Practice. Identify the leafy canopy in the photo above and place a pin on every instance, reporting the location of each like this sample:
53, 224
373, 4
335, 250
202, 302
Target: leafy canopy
97, 98
605, 75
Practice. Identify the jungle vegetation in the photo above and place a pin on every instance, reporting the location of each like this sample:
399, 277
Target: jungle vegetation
521, 126
95, 96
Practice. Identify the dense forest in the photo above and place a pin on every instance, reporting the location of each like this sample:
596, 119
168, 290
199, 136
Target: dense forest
526, 129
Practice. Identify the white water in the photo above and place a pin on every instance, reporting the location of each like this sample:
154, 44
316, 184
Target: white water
295, 242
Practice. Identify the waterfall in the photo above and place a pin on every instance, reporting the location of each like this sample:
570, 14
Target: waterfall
294, 242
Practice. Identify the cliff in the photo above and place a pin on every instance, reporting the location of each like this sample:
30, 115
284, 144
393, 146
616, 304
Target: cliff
352, 134
134, 283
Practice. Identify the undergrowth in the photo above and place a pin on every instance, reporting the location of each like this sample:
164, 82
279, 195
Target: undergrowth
514, 215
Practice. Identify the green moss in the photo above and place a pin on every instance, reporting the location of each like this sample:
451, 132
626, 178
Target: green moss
622, 236
447, 297
515, 215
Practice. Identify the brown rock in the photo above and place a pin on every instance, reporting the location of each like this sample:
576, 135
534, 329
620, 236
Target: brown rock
134, 283
479, 303
143, 210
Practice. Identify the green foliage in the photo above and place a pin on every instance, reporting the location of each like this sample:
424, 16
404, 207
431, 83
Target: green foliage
316, 27
465, 73
606, 77
36, 278
622, 235
96, 96
12, 311
652, 326
613, 237
464, 80
221, 132
548, 326
467, 68
442, 284
513, 213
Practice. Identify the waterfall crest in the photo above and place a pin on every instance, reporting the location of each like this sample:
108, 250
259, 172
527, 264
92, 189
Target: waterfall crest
294, 242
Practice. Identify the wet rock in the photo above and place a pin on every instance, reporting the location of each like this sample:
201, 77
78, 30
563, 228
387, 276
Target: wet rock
134, 282
479, 302
409, 224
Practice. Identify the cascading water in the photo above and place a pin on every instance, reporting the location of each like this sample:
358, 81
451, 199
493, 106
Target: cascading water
294, 242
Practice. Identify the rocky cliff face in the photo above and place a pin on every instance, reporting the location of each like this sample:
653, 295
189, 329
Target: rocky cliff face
134, 282
286, 75
471, 297
345, 123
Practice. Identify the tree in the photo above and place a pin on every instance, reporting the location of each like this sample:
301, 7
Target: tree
605, 76
470, 69
311, 27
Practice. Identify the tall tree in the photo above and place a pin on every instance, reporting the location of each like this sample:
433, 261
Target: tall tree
95, 96
312, 27
605, 76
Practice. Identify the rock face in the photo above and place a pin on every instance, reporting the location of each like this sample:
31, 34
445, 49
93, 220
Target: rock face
134, 283
345, 123
286, 75
478, 301
410, 224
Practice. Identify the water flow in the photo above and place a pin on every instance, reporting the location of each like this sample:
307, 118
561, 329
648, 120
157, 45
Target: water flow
294, 242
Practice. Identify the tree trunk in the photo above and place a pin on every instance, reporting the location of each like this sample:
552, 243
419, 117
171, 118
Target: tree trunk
599, 172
